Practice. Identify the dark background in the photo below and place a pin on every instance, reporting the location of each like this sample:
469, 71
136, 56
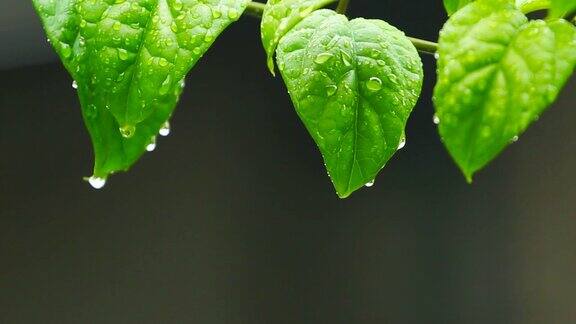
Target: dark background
233, 219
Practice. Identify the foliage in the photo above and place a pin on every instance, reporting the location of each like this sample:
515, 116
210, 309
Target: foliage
353, 82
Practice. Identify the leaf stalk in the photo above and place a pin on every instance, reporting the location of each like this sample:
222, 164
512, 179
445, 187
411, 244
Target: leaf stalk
342, 6
256, 9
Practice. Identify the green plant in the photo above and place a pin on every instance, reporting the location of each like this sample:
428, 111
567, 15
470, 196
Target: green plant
353, 82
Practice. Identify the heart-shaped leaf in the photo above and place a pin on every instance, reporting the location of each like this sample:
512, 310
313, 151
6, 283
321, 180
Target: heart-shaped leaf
129, 59
497, 72
354, 84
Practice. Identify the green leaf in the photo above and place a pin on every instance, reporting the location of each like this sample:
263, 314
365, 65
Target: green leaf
454, 5
279, 17
560, 8
527, 6
354, 84
497, 72
129, 59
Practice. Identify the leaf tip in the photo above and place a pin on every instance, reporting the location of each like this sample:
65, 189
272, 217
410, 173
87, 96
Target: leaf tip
271, 67
343, 195
468, 175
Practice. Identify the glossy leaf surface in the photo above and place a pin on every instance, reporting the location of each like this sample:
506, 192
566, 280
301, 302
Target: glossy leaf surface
129, 59
354, 84
497, 72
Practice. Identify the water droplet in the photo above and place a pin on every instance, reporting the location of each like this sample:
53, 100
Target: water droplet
374, 84
402, 143
165, 130
515, 139
232, 14
323, 58
436, 55
127, 131
122, 54
174, 27
178, 5
369, 184
345, 58
166, 85
96, 182
162, 61
74, 84
152, 145
65, 50
331, 90
436, 119
91, 111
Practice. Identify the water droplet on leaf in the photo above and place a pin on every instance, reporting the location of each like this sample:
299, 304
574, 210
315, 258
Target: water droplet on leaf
165, 130
152, 145
323, 58
402, 143
232, 14
331, 90
127, 131
96, 182
122, 54
374, 84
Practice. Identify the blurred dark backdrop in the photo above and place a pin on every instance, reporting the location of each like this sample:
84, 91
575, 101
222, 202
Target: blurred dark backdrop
233, 219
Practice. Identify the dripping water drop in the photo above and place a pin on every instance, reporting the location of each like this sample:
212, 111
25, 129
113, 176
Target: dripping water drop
402, 143
152, 145
165, 130
96, 182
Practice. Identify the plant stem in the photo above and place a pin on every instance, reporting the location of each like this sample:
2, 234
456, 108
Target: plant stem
424, 46
256, 9
342, 6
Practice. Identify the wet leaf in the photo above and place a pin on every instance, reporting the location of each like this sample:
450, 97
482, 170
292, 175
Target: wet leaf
497, 72
354, 84
129, 59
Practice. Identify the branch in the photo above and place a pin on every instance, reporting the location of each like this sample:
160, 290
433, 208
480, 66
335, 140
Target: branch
256, 9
